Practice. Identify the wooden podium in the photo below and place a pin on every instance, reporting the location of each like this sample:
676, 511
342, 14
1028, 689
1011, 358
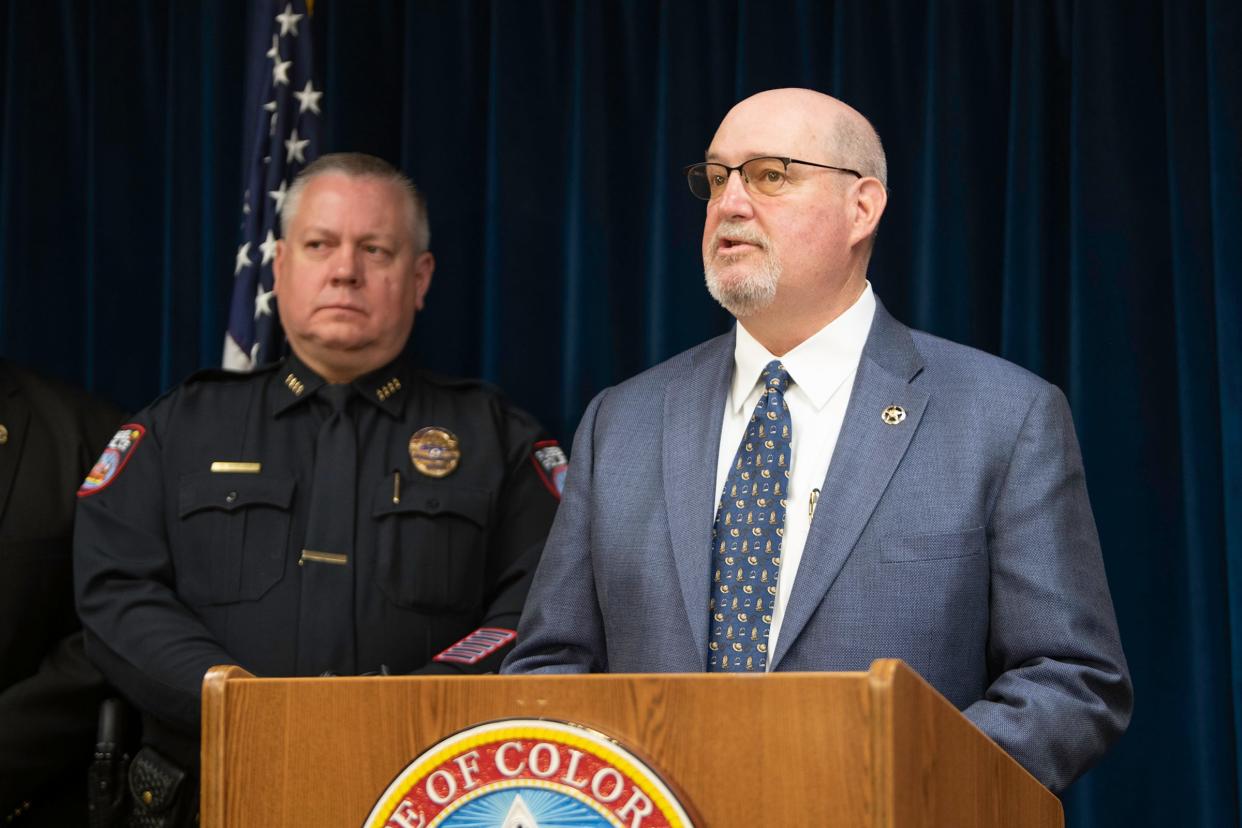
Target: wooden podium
880, 748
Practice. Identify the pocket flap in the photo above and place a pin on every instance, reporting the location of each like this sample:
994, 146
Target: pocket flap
231, 490
418, 497
939, 546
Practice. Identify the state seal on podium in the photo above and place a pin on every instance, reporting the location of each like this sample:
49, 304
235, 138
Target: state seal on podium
523, 773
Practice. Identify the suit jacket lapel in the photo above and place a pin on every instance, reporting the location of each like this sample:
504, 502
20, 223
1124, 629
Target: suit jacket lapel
14, 415
867, 453
693, 408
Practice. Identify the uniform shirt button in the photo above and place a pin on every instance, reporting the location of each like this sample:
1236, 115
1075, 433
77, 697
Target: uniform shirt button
433, 503
230, 497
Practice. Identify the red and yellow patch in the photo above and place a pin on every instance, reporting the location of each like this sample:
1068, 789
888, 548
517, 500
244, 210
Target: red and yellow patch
117, 453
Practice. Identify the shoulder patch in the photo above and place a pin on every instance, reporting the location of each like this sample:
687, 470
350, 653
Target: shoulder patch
551, 463
117, 453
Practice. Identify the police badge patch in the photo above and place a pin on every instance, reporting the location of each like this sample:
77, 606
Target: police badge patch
551, 463
117, 453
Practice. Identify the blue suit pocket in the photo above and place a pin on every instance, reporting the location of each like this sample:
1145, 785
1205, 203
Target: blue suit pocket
933, 547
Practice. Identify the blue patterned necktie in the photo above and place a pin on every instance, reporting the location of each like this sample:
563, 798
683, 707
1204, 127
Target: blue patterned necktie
750, 526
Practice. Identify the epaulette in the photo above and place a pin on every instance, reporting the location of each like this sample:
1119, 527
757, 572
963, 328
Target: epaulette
463, 383
226, 375
491, 395
214, 375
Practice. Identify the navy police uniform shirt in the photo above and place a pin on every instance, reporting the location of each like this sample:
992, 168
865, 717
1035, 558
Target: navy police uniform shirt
190, 530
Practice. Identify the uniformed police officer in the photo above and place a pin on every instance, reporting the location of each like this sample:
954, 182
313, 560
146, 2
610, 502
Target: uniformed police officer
337, 513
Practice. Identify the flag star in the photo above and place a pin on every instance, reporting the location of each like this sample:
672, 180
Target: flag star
245, 209
254, 354
280, 72
271, 124
262, 305
294, 148
268, 247
288, 21
308, 98
243, 258
270, 106
279, 195
274, 52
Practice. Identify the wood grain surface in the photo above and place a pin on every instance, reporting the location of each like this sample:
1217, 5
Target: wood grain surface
822, 749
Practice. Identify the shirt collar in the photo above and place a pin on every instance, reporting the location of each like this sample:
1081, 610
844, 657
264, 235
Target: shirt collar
817, 366
384, 387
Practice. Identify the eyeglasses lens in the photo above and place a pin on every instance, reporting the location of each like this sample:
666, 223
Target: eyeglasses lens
765, 175
762, 175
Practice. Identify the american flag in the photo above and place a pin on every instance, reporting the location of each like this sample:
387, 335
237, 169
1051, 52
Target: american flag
283, 137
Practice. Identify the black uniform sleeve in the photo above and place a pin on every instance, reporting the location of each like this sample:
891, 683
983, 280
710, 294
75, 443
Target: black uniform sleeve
525, 510
139, 633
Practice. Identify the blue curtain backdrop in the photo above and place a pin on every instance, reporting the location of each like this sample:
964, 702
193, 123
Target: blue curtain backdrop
1066, 192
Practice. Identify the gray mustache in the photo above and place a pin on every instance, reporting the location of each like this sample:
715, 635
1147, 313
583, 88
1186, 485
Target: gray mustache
739, 232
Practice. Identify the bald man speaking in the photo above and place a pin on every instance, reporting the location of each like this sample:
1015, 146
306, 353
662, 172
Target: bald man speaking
823, 486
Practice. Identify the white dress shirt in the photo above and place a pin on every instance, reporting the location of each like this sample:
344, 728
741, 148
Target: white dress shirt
822, 370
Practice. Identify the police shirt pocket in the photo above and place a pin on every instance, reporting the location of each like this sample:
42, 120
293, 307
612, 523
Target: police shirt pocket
933, 547
430, 543
234, 535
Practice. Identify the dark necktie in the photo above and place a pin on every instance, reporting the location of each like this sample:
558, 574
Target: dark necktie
750, 527
326, 630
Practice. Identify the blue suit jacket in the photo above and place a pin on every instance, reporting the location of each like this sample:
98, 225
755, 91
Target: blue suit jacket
960, 541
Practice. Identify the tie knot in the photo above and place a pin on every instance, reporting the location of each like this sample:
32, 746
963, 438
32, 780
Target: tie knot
337, 396
775, 376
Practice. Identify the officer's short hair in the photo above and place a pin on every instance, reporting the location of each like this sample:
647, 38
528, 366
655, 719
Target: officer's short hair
359, 165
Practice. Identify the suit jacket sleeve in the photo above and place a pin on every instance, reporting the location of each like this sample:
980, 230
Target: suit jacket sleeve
49, 722
1062, 691
561, 630
49, 692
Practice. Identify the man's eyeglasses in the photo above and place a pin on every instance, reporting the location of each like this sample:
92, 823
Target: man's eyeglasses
763, 175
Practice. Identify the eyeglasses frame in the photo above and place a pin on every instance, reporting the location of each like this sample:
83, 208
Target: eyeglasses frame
746, 180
